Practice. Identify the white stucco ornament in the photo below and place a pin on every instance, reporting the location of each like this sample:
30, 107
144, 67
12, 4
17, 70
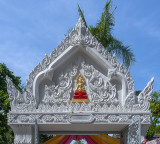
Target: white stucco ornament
50, 89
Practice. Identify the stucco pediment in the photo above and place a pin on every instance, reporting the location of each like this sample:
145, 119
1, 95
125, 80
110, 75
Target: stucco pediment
51, 84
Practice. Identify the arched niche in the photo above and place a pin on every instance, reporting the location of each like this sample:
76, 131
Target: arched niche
74, 57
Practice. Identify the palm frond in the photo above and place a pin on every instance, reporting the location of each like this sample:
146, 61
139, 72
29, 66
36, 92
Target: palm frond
81, 14
103, 32
124, 53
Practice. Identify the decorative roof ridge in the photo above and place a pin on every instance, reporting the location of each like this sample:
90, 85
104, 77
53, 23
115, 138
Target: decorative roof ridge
80, 35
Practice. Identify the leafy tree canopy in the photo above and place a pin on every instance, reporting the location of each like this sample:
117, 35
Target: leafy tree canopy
6, 134
155, 110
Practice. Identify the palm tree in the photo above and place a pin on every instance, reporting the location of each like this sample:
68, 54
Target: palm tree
103, 32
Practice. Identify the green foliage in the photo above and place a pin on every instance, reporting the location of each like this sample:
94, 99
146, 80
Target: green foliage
155, 110
103, 32
45, 137
82, 15
83, 141
6, 134
137, 92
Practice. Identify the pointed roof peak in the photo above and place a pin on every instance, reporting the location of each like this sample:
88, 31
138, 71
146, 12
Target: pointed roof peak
80, 35
80, 22
80, 18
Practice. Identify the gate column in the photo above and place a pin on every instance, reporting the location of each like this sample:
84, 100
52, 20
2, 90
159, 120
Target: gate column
123, 136
134, 132
23, 134
144, 129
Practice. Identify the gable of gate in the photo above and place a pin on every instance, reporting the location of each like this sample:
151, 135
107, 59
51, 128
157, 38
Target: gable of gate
52, 84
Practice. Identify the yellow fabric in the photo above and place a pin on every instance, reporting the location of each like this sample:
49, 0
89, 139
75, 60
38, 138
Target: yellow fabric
55, 140
104, 139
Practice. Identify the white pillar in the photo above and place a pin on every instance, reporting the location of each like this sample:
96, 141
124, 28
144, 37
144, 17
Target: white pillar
123, 138
144, 129
23, 134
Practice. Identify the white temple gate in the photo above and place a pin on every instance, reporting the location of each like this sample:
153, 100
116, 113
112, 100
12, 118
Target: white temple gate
112, 105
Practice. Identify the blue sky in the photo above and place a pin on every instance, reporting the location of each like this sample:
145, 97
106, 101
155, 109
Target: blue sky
29, 29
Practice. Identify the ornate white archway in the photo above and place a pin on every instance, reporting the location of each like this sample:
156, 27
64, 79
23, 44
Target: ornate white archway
50, 88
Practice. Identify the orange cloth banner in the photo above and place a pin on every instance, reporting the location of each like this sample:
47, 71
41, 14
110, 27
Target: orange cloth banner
99, 139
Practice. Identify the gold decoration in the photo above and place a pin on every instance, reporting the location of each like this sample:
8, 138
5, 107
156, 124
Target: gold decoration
80, 100
80, 81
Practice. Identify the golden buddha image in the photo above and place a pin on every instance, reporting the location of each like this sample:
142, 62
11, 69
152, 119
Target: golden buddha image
80, 83
80, 94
